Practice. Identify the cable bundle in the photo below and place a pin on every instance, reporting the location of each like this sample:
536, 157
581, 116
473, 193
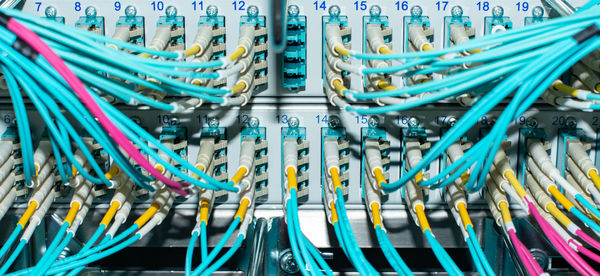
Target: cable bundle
53, 85
521, 63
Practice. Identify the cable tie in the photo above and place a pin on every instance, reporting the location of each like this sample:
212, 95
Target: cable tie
180, 55
587, 33
25, 49
4, 18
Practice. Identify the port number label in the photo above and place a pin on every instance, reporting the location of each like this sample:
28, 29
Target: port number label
320, 5
441, 5
239, 5
401, 5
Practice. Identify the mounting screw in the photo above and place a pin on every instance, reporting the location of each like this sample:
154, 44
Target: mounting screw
293, 10
287, 262
253, 11
334, 11
212, 10
456, 11
571, 122
171, 11
213, 122
537, 12
531, 123
416, 11
497, 11
334, 121
130, 11
451, 121
253, 122
174, 121
373, 122
50, 12
375, 11
91, 11
136, 120
540, 256
293, 122
413, 122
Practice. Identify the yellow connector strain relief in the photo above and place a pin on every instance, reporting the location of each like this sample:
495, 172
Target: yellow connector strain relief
595, 178
159, 168
376, 215
512, 179
560, 197
506, 217
145, 55
560, 216
385, 50
238, 87
112, 210
339, 87
465, 177
334, 216
114, 170
72, 213
238, 175
475, 51
597, 88
37, 169
292, 180
419, 177
342, 50
241, 212
201, 168
240, 51
385, 85
204, 205
73, 170
192, 51
335, 178
28, 213
564, 88
146, 216
464, 215
379, 176
422, 218
427, 47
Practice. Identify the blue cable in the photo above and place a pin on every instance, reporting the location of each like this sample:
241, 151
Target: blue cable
213, 254
13, 257
211, 269
95, 257
203, 240
294, 242
477, 247
50, 249
23, 127
441, 254
317, 256
54, 254
475, 257
298, 236
390, 253
11, 239
363, 264
190, 252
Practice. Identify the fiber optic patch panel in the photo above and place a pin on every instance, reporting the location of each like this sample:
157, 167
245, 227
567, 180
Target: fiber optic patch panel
268, 137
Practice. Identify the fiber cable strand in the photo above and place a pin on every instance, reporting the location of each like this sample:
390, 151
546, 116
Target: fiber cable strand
313, 264
372, 193
335, 199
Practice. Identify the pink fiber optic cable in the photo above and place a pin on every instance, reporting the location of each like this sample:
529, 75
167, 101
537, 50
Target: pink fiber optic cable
591, 241
532, 267
588, 253
43, 49
571, 257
